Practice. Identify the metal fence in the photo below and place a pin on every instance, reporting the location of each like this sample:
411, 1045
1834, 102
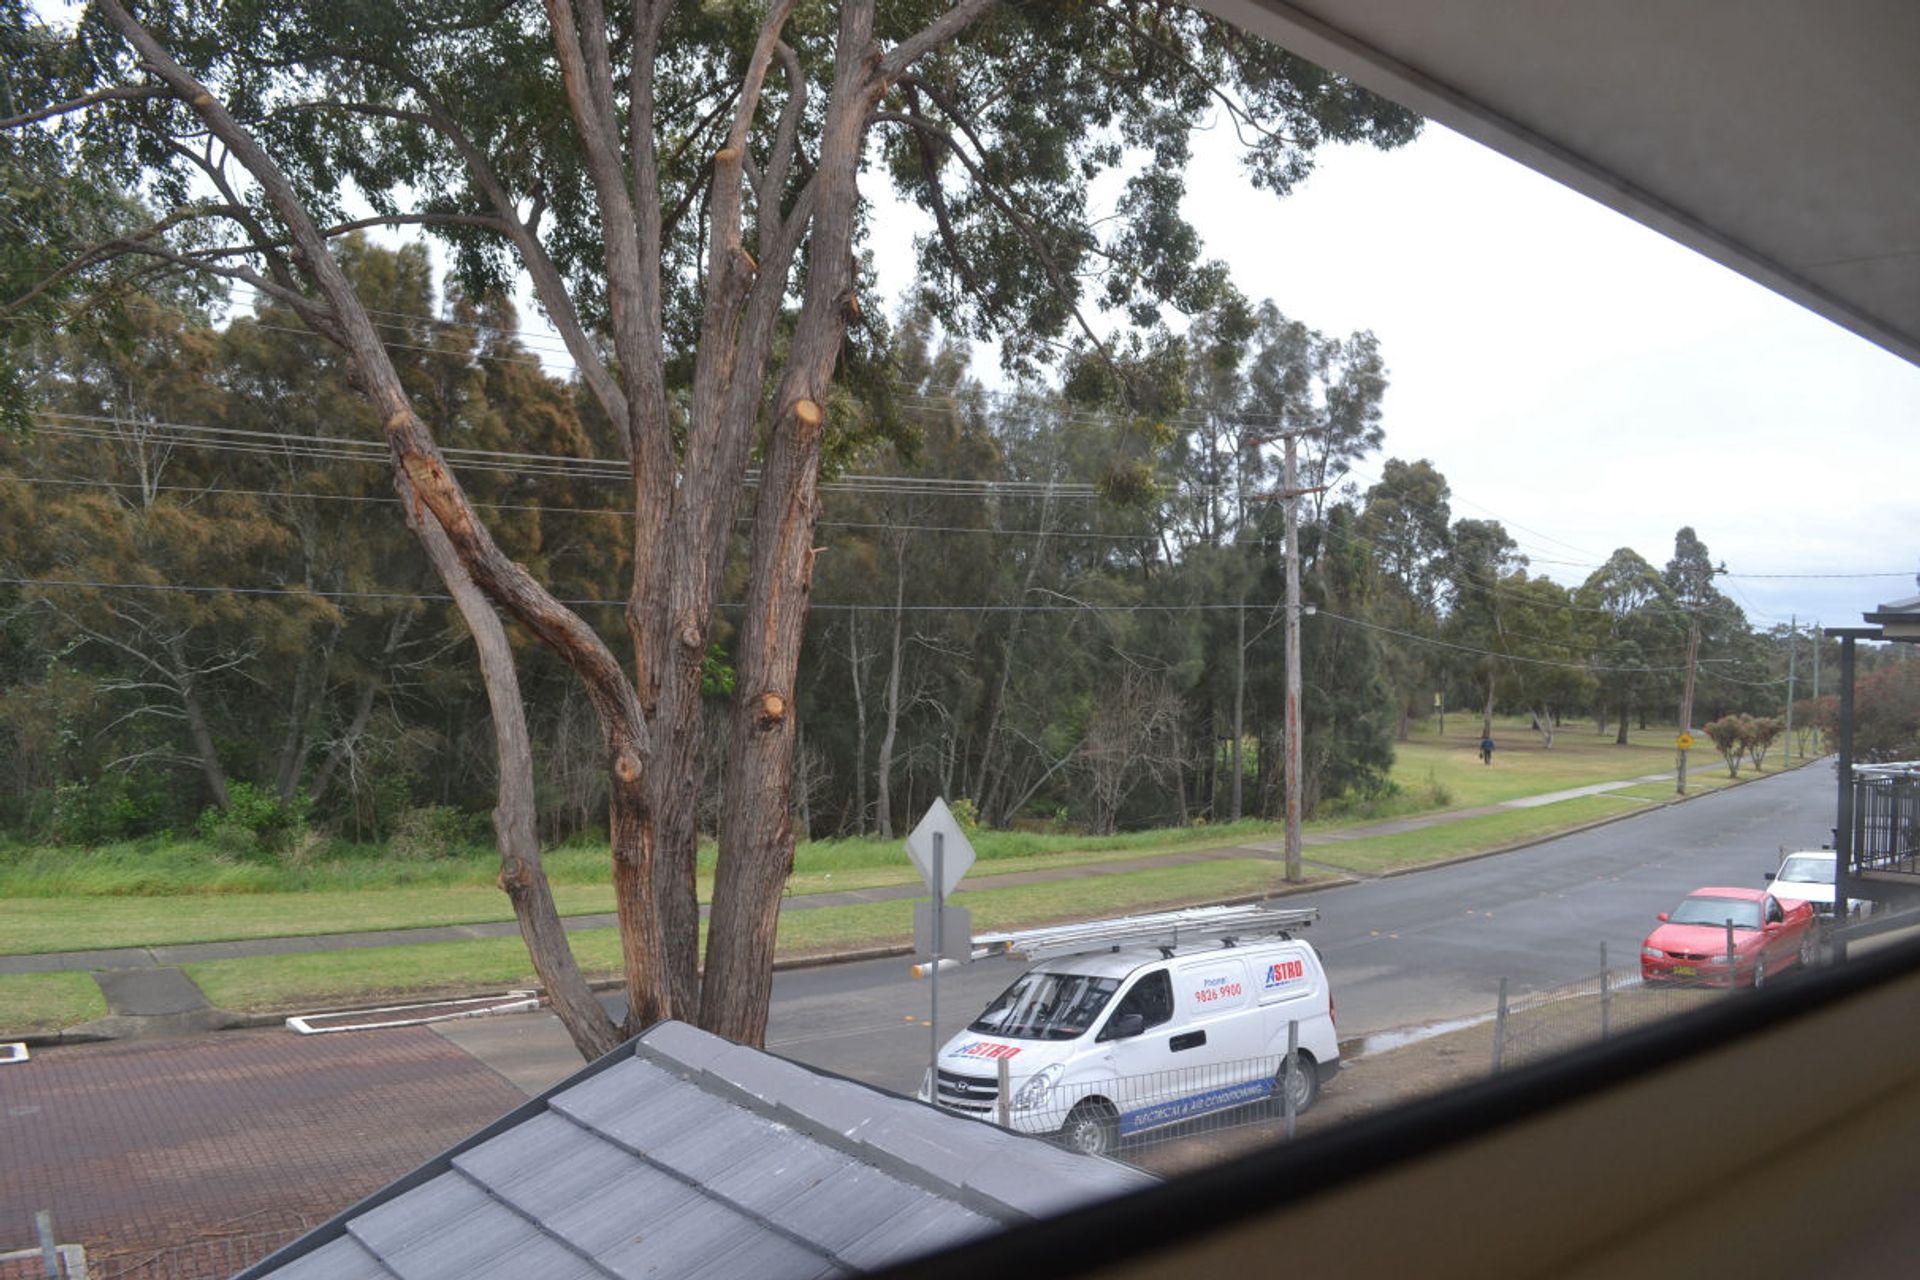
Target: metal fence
1612, 1002
210, 1257
1134, 1116
1886, 817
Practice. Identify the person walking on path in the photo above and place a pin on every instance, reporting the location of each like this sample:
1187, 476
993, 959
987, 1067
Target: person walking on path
1486, 749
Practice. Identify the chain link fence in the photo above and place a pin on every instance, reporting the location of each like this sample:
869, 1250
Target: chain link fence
1542, 1024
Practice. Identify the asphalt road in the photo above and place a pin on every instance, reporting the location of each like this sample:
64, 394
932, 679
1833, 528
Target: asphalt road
1403, 951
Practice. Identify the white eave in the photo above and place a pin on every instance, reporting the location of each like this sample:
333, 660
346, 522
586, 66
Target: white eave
1777, 137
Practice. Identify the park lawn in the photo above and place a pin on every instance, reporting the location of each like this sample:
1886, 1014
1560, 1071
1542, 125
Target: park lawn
1371, 855
1522, 766
322, 979
34, 1003
32, 925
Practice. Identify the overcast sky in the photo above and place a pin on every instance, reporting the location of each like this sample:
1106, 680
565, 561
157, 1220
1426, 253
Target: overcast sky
1584, 380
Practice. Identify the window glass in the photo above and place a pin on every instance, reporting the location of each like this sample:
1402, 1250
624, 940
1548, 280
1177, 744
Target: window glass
1046, 1006
1744, 912
1151, 998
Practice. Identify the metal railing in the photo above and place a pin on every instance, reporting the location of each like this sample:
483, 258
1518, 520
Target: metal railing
1886, 818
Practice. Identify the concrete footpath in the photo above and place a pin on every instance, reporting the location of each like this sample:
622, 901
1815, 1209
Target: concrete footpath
148, 994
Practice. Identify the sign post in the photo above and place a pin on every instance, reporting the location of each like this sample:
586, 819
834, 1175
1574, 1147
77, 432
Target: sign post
939, 953
940, 849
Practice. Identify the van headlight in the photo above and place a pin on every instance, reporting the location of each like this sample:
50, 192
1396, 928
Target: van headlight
1033, 1094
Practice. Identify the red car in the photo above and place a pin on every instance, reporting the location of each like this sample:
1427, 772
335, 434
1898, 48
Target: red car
1690, 946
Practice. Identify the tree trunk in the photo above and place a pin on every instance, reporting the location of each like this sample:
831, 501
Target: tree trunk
1486, 716
756, 837
286, 770
197, 727
1620, 737
592, 1031
883, 773
1543, 725
363, 709
854, 662
985, 777
1239, 707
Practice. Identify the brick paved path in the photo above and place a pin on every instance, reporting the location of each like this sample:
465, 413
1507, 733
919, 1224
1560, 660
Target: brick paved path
182, 1147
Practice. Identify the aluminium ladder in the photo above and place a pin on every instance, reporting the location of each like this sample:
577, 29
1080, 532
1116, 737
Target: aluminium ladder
1163, 929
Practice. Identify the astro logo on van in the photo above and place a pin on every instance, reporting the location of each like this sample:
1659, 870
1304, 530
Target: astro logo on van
1285, 973
986, 1049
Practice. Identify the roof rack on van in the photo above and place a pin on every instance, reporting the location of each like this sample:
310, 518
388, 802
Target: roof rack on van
1163, 929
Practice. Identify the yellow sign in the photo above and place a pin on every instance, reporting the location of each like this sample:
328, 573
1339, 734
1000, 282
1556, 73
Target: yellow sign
1684, 742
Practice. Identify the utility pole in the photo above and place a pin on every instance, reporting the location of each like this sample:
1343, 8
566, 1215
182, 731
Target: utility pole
1292, 482
1291, 493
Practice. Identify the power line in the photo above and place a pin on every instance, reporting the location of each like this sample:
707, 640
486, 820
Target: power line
551, 509
326, 448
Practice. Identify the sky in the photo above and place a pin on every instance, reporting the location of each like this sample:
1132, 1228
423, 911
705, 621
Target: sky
1577, 376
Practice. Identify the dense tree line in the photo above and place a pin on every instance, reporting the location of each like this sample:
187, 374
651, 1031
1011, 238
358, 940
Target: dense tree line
1055, 611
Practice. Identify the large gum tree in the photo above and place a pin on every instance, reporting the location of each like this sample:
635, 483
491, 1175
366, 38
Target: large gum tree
680, 186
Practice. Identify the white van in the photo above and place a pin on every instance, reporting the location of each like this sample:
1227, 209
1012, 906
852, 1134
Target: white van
1135, 1024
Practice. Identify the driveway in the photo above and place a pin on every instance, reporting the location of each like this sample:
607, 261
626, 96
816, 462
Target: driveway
192, 1157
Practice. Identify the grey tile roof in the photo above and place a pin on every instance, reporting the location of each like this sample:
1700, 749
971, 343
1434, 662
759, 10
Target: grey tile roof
682, 1155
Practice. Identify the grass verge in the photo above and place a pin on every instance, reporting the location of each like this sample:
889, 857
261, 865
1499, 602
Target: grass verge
33, 1003
313, 979
1371, 855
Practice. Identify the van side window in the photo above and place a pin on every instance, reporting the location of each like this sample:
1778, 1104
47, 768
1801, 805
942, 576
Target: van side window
1151, 998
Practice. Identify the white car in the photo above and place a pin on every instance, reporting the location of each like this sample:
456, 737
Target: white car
1806, 875
1102, 1045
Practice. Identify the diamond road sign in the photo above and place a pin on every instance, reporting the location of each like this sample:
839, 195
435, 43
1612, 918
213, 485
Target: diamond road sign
956, 854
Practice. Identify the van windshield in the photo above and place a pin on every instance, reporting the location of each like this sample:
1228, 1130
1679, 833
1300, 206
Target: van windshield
1047, 1006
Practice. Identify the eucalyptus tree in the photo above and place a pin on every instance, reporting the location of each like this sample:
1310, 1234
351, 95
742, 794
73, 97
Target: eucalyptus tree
680, 185
1404, 523
1631, 622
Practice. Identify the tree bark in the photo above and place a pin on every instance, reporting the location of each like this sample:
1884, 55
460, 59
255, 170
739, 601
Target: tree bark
587, 1023
756, 836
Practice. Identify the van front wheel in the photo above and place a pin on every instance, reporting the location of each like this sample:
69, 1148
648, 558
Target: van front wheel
1306, 1084
1091, 1129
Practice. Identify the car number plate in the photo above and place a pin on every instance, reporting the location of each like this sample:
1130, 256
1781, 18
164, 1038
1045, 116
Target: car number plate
1684, 970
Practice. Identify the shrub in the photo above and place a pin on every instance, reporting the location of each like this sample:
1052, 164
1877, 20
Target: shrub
966, 815
115, 806
255, 822
436, 831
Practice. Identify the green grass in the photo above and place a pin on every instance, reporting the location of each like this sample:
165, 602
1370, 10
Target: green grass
31, 1003
34, 925
1374, 854
1522, 766
37, 923
317, 979
175, 867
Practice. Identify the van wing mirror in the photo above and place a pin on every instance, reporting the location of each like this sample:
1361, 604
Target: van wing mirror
1129, 1025
1662, 917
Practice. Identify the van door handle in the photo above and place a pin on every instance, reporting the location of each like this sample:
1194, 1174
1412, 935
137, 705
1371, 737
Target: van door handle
1191, 1040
